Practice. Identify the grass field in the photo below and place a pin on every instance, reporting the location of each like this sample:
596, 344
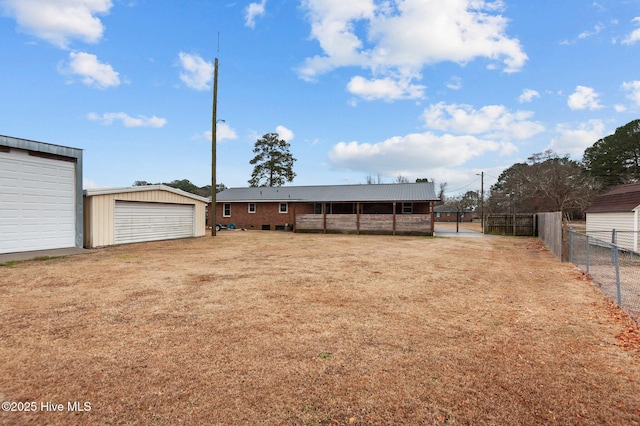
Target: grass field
280, 328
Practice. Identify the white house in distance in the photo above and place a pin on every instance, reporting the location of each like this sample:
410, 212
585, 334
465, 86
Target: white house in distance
141, 213
619, 210
40, 196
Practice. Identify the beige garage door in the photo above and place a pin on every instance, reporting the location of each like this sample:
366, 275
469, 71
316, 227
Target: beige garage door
141, 221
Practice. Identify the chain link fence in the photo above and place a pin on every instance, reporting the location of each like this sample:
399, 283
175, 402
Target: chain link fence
614, 268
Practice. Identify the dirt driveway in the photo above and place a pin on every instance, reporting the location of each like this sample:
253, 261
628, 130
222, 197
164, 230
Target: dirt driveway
280, 328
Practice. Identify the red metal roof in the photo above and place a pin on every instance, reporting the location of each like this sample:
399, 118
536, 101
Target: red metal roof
623, 198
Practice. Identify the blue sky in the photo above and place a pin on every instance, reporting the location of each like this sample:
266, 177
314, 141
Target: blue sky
437, 89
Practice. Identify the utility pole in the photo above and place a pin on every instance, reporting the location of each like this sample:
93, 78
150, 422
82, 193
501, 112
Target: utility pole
214, 121
482, 200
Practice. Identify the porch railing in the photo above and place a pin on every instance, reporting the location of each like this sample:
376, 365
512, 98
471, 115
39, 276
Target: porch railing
411, 224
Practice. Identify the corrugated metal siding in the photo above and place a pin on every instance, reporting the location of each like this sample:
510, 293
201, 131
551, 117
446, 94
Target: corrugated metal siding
333, 193
100, 227
136, 221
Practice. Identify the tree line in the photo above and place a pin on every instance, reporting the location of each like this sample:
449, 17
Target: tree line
549, 182
545, 182
185, 185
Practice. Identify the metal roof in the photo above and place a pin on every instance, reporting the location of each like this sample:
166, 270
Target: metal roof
48, 148
422, 191
105, 191
623, 198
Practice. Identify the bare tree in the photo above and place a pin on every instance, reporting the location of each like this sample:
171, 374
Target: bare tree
442, 190
546, 182
371, 180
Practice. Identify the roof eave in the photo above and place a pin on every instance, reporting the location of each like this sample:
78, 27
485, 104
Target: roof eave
145, 188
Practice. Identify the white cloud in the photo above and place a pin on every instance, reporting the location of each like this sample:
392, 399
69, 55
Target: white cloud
528, 95
89, 183
633, 89
59, 21
413, 153
196, 72
92, 72
493, 121
397, 40
252, 11
634, 36
454, 83
574, 141
596, 30
223, 132
584, 98
284, 133
386, 88
128, 121
467, 133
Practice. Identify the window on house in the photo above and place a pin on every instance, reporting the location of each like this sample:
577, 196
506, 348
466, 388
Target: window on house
407, 208
252, 207
317, 208
284, 207
438, 214
227, 210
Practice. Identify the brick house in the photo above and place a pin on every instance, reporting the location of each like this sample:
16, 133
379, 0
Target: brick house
445, 213
403, 208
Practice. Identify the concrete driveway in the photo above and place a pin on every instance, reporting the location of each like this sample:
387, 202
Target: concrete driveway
463, 230
29, 255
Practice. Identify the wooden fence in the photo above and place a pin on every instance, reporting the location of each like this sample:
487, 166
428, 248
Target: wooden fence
546, 226
404, 224
550, 231
519, 224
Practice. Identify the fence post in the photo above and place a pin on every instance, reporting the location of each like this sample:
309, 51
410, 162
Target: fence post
616, 263
587, 254
613, 241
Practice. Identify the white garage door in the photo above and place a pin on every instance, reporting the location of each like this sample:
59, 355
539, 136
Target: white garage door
37, 203
139, 221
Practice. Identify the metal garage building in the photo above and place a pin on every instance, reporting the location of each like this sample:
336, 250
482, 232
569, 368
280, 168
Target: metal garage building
40, 196
141, 213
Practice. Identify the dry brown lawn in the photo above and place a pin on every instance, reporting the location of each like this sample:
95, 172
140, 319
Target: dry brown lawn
280, 328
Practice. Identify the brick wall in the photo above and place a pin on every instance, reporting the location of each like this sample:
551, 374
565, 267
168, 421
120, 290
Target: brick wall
451, 217
268, 214
265, 214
